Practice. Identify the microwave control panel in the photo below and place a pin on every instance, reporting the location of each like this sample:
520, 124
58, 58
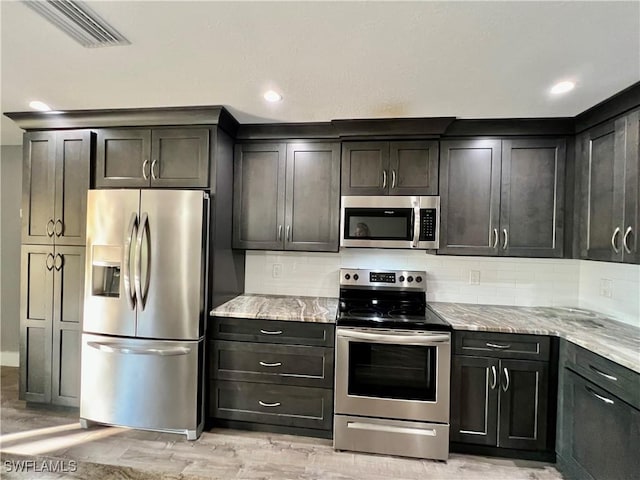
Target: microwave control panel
427, 224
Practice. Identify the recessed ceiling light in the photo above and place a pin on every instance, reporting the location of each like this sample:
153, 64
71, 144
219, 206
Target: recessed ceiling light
38, 105
562, 87
272, 96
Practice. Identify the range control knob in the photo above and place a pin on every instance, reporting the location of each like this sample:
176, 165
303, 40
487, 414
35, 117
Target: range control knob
409, 279
418, 279
356, 277
401, 278
347, 276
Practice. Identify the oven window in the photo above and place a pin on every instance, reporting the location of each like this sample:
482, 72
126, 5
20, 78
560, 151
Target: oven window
406, 372
378, 224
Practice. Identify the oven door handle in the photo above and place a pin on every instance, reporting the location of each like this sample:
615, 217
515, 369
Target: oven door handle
395, 338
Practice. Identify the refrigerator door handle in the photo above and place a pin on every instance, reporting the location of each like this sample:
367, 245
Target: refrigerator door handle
163, 352
132, 232
144, 220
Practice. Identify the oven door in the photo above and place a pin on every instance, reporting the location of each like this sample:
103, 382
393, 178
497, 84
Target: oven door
399, 374
380, 222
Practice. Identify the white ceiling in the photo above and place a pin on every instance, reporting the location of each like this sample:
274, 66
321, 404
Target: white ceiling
330, 60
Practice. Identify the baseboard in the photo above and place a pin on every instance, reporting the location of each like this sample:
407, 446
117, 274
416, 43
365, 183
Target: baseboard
10, 359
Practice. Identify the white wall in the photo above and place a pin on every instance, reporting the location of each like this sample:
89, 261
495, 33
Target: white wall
10, 194
503, 281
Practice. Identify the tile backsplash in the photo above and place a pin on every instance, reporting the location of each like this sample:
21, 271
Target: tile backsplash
496, 281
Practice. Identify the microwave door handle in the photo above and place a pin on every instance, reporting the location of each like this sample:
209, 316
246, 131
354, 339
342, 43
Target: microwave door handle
416, 225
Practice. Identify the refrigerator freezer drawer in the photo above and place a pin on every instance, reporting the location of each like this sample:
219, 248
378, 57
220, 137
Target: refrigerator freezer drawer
148, 384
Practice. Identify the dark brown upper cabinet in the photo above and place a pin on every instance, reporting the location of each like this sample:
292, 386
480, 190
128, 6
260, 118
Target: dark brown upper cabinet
55, 180
390, 168
609, 211
287, 196
159, 157
502, 197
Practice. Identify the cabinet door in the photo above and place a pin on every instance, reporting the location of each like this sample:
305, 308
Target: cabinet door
123, 158
602, 165
469, 197
180, 157
312, 206
474, 400
73, 167
258, 196
532, 199
601, 432
38, 187
413, 168
365, 168
523, 404
631, 244
68, 288
36, 293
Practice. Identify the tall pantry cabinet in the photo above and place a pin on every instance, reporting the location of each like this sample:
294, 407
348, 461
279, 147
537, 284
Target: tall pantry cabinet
56, 177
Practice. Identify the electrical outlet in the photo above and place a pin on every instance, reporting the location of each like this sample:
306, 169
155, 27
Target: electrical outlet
276, 272
474, 277
605, 288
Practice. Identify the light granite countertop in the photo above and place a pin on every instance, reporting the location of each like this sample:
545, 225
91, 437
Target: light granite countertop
280, 307
609, 338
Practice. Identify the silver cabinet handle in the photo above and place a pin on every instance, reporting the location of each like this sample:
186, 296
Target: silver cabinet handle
144, 220
495, 238
506, 239
613, 240
46, 263
50, 227
384, 179
288, 233
58, 232
494, 378
279, 233
393, 178
144, 169
624, 239
605, 375
132, 232
495, 345
606, 400
276, 364
57, 265
271, 332
153, 169
505, 387
264, 404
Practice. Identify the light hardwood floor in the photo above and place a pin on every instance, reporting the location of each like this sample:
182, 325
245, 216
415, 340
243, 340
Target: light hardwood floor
110, 452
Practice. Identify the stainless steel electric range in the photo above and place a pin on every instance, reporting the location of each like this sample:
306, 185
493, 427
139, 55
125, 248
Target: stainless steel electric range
393, 358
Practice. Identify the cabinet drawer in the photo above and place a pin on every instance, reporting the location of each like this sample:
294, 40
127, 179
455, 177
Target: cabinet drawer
283, 364
503, 345
289, 406
615, 378
273, 331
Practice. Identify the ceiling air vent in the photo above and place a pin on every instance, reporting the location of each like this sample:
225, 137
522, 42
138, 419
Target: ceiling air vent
78, 21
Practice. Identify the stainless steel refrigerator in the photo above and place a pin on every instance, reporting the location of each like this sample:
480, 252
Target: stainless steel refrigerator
144, 310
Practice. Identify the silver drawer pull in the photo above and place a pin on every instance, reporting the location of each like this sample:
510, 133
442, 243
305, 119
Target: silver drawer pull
276, 404
605, 375
495, 345
606, 400
430, 432
276, 364
271, 332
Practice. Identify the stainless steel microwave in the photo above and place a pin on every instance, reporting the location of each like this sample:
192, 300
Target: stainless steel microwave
390, 222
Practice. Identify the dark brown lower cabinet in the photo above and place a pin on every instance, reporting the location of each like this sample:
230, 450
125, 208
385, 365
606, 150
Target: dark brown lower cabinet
52, 292
500, 403
271, 375
598, 417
